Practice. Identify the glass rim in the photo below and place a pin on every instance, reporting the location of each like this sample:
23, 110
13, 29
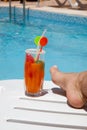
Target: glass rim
34, 51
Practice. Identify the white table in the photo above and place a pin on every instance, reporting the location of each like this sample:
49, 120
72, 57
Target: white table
47, 112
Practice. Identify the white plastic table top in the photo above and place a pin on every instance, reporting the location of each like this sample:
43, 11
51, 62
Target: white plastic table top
47, 112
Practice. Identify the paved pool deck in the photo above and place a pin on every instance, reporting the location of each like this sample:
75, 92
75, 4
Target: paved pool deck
50, 6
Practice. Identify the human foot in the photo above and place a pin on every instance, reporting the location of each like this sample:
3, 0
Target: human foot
70, 82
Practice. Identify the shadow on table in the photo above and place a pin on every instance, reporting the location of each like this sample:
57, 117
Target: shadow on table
42, 93
85, 107
59, 91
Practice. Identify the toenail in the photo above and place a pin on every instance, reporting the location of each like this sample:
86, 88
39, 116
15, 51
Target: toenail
55, 66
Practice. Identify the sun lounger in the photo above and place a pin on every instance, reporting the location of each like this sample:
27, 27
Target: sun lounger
78, 3
81, 5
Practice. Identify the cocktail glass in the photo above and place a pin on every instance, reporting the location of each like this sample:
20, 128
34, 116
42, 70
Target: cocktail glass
34, 72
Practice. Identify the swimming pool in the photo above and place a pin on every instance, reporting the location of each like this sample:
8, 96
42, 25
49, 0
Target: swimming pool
67, 46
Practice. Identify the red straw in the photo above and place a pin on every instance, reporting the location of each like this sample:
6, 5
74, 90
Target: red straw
38, 51
38, 56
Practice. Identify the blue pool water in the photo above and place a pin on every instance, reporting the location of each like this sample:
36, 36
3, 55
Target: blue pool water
67, 46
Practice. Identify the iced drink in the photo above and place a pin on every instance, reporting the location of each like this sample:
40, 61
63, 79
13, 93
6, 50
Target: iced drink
34, 72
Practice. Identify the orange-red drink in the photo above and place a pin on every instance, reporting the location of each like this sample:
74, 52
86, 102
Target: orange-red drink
33, 72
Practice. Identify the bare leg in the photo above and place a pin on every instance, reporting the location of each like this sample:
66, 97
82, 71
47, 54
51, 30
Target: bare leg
75, 85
